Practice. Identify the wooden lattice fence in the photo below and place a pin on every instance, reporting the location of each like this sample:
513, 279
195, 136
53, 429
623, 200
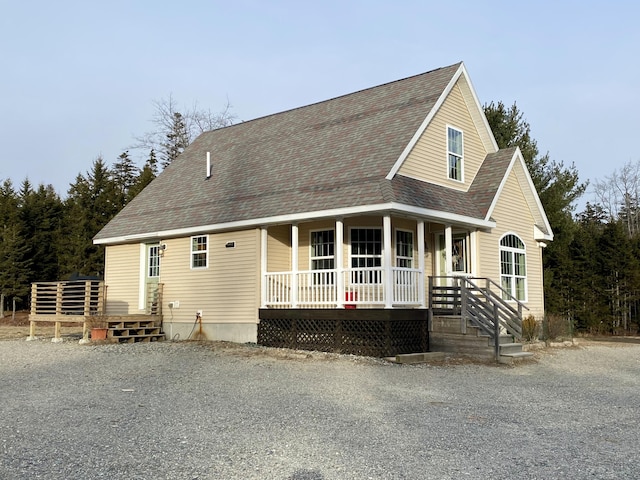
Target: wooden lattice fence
370, 332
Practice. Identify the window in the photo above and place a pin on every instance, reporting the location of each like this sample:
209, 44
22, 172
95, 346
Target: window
366, 252
454, 153
154, 261
513, 267
199, 251
322, 256
404, 249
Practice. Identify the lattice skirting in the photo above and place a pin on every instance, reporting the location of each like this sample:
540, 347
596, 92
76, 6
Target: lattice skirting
370, 332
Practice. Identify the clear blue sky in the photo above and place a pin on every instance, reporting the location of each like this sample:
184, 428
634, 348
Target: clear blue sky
78, 78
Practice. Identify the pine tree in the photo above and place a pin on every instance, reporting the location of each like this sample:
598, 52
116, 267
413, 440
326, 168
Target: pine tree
176, 140
14, 264
147, 174
40, 212
92, 201
125, 174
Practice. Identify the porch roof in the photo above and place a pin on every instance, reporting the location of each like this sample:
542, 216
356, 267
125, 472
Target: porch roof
323, 157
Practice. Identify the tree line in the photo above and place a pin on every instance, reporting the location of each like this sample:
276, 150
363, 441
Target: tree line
591, 269
44, 237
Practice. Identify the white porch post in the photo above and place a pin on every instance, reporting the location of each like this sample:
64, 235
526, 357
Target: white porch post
473, 251
294, 265
263, 267
339, 241
421, 267
448, 243
388, 273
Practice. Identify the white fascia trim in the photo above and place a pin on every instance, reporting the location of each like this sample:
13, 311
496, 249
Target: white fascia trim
426, 213
425, 123
517, 156
539, 235
479, 107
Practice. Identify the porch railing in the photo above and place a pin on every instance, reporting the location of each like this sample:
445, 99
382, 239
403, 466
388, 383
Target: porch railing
64, 299
481, 301
359, 286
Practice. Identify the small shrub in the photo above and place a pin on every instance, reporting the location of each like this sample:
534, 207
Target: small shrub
530, 328
556, 327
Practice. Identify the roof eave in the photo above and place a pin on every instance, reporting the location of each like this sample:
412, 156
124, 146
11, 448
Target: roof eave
391, 207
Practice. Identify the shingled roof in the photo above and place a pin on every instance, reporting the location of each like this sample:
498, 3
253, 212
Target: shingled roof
323, 157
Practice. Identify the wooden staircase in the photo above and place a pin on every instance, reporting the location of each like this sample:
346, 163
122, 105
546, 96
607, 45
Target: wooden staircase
452, 334
134, 328
475, 317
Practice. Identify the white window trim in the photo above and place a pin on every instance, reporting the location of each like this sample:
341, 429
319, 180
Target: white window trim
382, 263
311, 257
449, 152
514, 276
192, 252
395, 247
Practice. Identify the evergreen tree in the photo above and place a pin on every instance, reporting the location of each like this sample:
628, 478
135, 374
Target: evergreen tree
125, 175
14, 264
40, 212
147, 174
92, 201
176, 140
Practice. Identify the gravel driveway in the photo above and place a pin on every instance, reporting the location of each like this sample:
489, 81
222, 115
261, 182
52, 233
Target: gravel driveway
216, 411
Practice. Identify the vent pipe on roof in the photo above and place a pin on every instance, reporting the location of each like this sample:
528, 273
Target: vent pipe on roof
208, 164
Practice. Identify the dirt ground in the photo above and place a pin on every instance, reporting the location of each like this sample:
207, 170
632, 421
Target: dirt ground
18, 327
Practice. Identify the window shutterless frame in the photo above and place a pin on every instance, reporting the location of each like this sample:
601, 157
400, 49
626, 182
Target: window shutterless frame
199, 258
455, 154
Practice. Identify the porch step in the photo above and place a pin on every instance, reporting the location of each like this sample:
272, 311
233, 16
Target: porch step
514, 357
411, 358
134, 328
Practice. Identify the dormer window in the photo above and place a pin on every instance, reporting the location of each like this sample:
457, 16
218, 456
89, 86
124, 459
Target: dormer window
454, 153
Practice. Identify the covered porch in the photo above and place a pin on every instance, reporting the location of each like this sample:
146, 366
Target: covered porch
368, 261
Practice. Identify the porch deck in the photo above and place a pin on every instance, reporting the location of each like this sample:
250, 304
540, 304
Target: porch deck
79, 301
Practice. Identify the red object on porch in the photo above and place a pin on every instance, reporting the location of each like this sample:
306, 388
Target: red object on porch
350, 297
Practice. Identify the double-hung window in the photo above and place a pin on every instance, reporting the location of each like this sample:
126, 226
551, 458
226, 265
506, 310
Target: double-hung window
513, 267
404, 249
200, 251
366, 253
454, 153
323, 256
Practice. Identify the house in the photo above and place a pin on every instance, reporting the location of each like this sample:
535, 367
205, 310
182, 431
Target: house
345, 207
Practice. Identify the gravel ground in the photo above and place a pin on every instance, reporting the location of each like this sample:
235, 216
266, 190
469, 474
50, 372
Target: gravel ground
218, 411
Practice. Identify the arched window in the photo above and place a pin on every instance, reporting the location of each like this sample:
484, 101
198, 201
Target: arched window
513, 267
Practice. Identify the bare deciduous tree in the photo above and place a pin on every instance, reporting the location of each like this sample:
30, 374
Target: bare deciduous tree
174, 129
619, 196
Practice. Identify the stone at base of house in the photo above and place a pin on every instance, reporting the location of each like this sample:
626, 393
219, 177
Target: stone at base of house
228, 332
56, 340
31, 338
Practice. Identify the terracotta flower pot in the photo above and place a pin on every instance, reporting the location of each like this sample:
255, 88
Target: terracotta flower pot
98, 334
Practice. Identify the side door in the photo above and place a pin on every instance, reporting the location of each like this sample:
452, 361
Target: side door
152, 278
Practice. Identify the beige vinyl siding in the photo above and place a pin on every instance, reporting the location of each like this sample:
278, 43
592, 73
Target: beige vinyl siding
512, 214
227, 291
304, 241
279, 248
428, 159
122, 278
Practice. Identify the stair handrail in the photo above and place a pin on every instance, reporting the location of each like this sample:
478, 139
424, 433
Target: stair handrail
498, 305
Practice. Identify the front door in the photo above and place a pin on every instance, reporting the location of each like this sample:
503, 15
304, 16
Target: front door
460, 261
152, 278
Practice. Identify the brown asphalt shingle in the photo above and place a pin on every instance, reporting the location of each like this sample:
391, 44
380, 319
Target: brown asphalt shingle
323, 156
